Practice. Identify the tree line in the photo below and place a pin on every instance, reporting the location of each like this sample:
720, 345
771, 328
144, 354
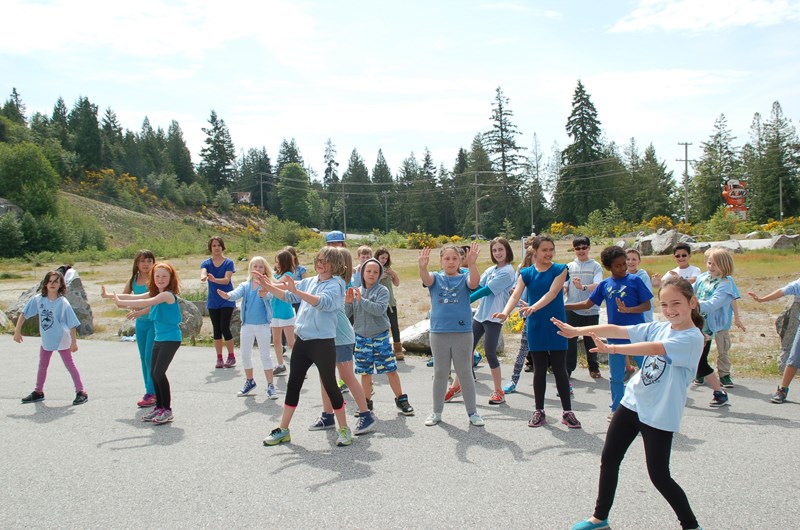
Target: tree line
493, 186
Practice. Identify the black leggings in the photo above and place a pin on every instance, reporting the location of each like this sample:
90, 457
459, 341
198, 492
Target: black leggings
163, 353
391, 311
703, 368
574, 319
625, 425
221, 322
492, 331
322, 353
557, 359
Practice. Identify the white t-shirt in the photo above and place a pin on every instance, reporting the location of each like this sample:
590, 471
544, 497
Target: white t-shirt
56, 318
689, 272
658, 391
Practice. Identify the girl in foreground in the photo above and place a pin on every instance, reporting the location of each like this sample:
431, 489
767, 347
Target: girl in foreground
654, 399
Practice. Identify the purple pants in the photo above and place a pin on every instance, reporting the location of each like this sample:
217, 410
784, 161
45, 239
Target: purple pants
44, 362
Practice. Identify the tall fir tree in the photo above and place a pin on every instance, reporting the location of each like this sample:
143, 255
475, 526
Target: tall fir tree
539, 217
14, 108
178, 154
481, 178
718, 163
384, 185
583, 185
501, 144
362, 203
657, 190
331, 177
85, 131
218, 155
111, 148
293, 188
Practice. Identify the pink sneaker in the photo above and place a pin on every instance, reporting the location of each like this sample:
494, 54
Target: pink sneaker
152, 414
148, 400
220, 363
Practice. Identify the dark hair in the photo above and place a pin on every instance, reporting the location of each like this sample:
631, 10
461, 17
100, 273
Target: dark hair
502, 241
463, 251
142, 254
538, 240
218, 239
380, 252
62, 290
581, 240
609, 254
686, 290
293, 252
285, 262
682, 246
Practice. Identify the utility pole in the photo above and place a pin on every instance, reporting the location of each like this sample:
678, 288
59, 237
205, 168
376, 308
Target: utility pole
344, 210
386, 209
686, 161
476, 204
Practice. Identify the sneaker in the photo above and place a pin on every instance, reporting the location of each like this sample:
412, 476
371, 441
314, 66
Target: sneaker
778, 397
249, 386
356, 414
278, 436
571, 392
726, 381
343, 387
148, 400
698, 381
498, 397
595, 375
720, 399
452, 393
569, 419
433, 419
528, 367
476, 359
80, 398
629, 371
326, 420
33, 397
429, 364
231, 362
280, 369
476, 420
610, 416
538, 419
165, 416
588, 525
366, 424
510, 387
272, 392
220, 363
345, 437
402, 403
148, 416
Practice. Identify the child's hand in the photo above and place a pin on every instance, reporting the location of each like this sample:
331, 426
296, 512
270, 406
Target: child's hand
754, 296
103, 293
564, 329
599, 345
500, 316
349, 296
424, 258
203, 277
73, 347
577, 283
17, 337
472, 255
357, 294
132, 315
224, 295
118, 302
739, 323
621, 307
288, 281
527, 311
210, 278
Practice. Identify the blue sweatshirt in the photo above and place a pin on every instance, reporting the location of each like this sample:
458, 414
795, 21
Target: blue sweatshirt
319, 321
255, 309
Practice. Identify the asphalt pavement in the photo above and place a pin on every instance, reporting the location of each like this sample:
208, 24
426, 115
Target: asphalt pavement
98, 466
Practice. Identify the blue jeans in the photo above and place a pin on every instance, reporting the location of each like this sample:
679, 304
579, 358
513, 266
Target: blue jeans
616, 365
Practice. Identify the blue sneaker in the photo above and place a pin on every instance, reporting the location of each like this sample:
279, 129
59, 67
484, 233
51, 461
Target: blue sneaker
476, 359
325, 421
510, 387
429, 364
588, 525
366, 424
248, 387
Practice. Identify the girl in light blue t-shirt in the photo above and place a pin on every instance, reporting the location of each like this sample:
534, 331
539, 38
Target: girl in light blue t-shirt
654, 399
451, 325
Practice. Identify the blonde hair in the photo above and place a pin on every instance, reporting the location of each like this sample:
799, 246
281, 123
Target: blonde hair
450, 246
364, 250
337, 258
722, 258
258, 259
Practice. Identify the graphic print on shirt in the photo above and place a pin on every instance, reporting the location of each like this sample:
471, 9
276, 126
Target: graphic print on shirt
448, 294
610, 292
46, 317
653, 369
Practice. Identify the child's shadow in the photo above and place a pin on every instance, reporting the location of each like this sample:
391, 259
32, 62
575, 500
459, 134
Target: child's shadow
45, 414
478, 436
222, 374
347, 462
573, 441
162, 435
271, 408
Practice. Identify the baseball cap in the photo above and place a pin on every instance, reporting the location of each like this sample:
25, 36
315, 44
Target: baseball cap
334, 236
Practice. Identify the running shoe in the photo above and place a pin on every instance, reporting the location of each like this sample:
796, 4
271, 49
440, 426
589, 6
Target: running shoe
80, 398
510, 387
537, 419
231, 362
588, 525
249, 386
595, 375
325, 421
698, 381
272, 392
569, 419
366, 424
165, 416
33, 397
476, 420
278, 436
452, 393
476, 359
778, 397
433, 419
343, 387
498, 397
148, 400
726, 381
279, 370
429, 364
402, 403
720, 399
148, 416
345, 437
220, 363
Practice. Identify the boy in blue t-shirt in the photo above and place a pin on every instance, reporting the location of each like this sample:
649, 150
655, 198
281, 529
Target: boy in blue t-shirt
627, 299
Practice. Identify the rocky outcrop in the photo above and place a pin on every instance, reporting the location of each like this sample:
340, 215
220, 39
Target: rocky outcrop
784, 241
417, 338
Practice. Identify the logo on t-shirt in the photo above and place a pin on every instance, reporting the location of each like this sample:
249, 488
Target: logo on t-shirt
46, 318
653, 369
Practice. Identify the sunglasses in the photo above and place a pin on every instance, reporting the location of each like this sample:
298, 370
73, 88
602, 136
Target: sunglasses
580, 248
681, 255
319, 260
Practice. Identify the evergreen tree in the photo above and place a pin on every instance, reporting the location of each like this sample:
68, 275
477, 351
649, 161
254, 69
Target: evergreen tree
14, 108
59, 123
111, 148
718, 163
460, 189
218, 155
178, 155
152, 144
293, 188
331, 178
288, 153
406, 176
534, 175
255, 176
362, 202
424, 198
85, 130
656, 190
481, 180
501, 144
583, 184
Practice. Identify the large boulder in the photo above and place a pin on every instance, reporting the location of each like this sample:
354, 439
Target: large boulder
786, 326
5, 323
784, 241
644, 245
663, 242
76, 295
699, 248
191, 320
732, 244
236, 325
417, 338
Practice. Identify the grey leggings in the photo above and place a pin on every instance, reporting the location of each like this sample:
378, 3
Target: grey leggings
455, 349
492, 331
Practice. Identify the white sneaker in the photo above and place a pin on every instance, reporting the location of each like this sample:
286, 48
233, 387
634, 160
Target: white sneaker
476, 420
272, 393
433, 419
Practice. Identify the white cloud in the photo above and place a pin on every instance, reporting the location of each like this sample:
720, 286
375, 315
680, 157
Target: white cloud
703, 15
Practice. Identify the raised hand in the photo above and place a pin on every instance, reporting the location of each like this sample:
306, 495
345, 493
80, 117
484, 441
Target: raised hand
103, 293
349, 296
599, 345
472, 255
424, 258
621, 307
564, 329
223, 294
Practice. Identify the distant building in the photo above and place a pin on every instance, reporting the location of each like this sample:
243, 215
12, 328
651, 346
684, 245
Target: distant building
242, 197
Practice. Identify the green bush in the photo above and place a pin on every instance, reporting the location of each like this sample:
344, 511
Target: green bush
11, 235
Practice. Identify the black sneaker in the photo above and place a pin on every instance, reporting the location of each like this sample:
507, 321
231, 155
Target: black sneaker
402, 403
80, 398
33, 397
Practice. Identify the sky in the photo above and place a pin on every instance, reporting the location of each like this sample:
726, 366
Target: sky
406, 76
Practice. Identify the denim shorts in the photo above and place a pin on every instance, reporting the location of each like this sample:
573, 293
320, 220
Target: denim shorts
344, 353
